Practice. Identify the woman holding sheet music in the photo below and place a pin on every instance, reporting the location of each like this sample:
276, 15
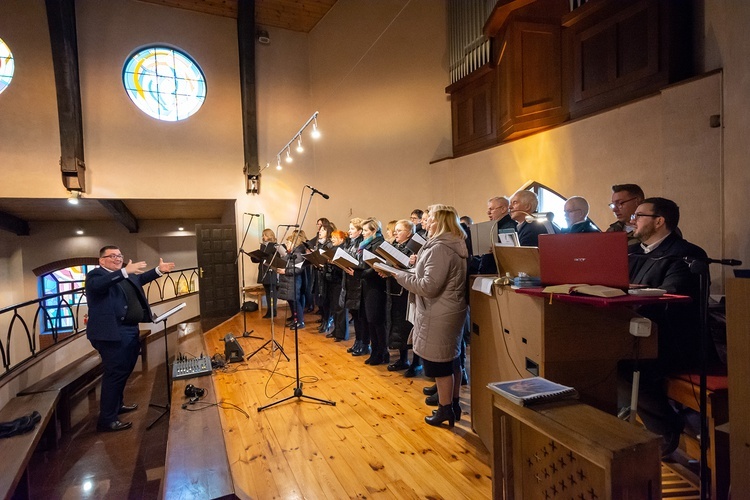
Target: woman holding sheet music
353, 290
334, 278
290, 278
397, 301
438, 290
372, 305
320, 289
265, 275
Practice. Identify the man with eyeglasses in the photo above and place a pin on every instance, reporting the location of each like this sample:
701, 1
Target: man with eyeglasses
117, 304
576, 210
659, 262
625, 199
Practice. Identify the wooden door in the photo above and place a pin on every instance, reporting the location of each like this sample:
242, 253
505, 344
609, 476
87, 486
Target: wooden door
217, 271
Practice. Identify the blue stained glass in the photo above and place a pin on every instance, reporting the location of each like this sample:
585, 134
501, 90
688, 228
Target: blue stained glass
7, 66
164, 83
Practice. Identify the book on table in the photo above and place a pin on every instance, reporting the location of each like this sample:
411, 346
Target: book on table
343, 259
415, 243
581, 289
393, 255
534, 390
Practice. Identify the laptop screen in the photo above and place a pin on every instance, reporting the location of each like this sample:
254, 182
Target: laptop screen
585, 258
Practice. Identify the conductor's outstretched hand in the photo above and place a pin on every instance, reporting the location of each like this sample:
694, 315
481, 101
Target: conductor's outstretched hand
165, 267
135, 267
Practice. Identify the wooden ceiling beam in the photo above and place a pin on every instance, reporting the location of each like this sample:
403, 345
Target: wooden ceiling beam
121, 214
13, 224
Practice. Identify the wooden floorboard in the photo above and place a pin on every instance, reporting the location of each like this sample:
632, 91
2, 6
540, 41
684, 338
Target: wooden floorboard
373, 444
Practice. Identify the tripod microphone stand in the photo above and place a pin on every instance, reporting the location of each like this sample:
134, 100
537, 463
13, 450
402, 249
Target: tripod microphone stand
166, 407
242, 253
298, 384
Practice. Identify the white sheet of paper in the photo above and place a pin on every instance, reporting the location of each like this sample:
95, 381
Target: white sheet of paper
483, 285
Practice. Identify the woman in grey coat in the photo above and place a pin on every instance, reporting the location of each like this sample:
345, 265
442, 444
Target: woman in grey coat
437, 289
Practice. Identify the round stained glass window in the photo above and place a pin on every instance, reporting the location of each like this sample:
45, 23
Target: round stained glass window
164, 83
6, 66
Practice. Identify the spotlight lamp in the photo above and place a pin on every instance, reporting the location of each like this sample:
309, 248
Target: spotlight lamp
300, 149
315, 134
278, 162
289, 158
75, 195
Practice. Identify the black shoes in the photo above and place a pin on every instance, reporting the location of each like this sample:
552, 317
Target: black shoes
669, 444
457, 411
464, 378
329, 336
429, 391
432, 400
378, 359
443, 413
114, 426
354, 347
401, 364
127, 408
362, 350
268, 314
413, 371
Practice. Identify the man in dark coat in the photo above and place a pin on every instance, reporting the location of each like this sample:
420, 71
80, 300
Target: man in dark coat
625, 199
523, 204
659, 262
497, 210
577, 216
117, 304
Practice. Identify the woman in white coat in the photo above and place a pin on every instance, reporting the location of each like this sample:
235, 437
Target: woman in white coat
438, 287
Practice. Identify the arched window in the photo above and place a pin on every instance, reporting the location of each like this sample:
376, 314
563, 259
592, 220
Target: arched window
164, 83
549, 201
7, 66
55, 279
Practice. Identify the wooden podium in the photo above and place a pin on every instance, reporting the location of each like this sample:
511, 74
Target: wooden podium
576, 343
570, 450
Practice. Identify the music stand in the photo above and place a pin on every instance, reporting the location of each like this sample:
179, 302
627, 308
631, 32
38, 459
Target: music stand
163, 319
272, 304
298, 384
241, 252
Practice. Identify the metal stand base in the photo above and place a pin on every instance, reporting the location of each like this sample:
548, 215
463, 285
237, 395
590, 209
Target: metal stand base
297, 394
274, 345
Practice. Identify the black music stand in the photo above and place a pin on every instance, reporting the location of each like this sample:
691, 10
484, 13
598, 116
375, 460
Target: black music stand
272, 304
163, 319
242, 253
298, 384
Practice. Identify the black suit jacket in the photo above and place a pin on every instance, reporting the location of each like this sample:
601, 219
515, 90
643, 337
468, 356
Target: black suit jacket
108, 304
585, 226
679, 324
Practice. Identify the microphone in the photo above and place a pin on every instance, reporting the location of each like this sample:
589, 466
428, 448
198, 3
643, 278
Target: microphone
288, 225
325, 196
254, 215
723, 262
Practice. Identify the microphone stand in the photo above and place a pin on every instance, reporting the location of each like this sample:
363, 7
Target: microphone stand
242, 253
700, 267
298, 384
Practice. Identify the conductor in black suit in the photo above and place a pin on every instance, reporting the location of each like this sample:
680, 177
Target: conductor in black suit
116, 305
659, 262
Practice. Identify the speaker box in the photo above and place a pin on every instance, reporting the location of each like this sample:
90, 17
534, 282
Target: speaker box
233, 352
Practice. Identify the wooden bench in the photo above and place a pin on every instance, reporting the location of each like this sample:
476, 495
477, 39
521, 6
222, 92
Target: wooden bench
16, 451
196, 463
685, 389
79, 377
256, 292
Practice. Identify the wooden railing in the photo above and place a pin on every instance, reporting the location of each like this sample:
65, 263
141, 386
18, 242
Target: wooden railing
26, 323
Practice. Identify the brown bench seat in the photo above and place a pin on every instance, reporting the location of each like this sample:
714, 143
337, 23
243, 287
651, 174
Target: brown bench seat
78, 377
16, 450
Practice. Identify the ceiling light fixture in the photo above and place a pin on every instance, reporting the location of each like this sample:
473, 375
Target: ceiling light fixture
75, 195
296, 137
79, 232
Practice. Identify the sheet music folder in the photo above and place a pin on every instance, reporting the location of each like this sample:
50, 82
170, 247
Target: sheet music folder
165, 315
